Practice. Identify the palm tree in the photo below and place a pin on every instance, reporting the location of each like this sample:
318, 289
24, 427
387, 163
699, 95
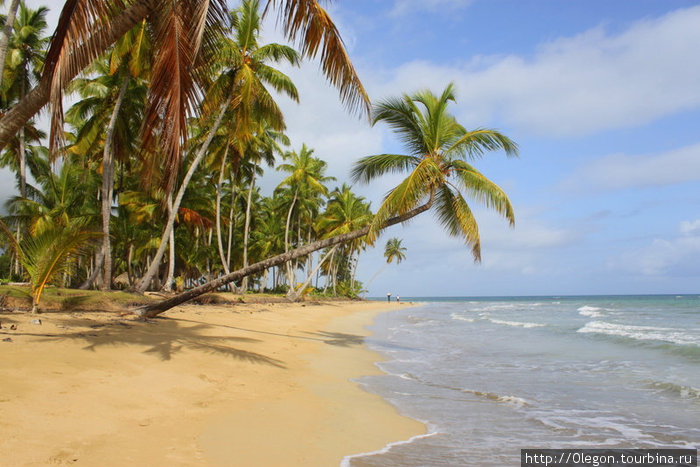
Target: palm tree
306, 178
261, 149
243, 74
346, 212
393, 250
49, 253
112, 100
184, 34
6, 32
438, 148
25, 62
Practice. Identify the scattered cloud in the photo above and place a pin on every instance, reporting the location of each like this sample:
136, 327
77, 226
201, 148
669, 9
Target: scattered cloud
403, 7
676, 257
578, 85
619, 171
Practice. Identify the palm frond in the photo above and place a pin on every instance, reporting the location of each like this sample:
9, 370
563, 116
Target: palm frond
483, 190
370, 167
475, 143
402, 116
47, 255
454, 214
307, 23
406, 196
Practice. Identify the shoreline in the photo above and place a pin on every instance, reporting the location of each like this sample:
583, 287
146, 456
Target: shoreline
259, 384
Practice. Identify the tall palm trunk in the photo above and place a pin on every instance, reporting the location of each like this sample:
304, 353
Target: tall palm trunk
246, 229
108, 186
219, 242
149, 311
286, 238
153, 268
167, 285
6, 33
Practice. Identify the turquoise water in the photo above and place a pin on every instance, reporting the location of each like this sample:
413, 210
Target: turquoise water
490, 376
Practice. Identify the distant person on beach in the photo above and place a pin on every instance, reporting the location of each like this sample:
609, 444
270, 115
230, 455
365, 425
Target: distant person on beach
388, 296
398, 299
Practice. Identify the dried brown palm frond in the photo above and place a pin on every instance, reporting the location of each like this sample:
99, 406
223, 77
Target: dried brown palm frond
308, 24
184, 34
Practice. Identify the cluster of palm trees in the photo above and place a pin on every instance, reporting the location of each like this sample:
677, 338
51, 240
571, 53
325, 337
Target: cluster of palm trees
149, 178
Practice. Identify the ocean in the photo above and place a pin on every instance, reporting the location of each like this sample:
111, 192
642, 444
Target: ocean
490, 376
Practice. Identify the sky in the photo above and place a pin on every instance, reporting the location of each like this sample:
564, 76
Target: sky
603, 99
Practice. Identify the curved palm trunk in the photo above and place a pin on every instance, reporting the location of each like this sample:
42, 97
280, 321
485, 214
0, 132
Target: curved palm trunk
37, 98
375, 275
294, 296
7, 32
150, 311
219, 242
153, 268
246, 230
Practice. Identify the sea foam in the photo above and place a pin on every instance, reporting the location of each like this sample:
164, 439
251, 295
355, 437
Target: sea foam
590, 311
676, 336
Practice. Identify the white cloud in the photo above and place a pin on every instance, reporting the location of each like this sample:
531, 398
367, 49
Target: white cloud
402, 7
619, 171
679, 256
689, 228
578, 85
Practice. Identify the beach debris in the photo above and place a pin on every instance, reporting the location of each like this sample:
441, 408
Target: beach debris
0, 324
7, 339
35, 321
13, 327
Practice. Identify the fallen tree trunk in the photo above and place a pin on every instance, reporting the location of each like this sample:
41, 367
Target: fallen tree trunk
150, 311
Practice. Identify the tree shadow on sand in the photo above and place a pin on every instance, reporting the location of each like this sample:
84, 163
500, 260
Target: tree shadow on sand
330, 338
165, 338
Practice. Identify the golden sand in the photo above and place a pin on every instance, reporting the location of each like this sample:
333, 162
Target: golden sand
248, 385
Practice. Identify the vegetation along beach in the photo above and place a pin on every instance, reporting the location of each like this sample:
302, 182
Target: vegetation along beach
307, 232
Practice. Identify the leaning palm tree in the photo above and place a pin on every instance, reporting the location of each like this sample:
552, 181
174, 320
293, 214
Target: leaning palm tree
438, 149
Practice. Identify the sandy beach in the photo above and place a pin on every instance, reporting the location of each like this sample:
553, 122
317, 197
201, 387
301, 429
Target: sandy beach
244, 385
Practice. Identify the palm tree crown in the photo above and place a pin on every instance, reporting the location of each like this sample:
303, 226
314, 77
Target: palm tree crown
438, 149
393, 250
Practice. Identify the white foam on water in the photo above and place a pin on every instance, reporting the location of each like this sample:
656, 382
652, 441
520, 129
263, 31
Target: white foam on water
516, 323
673, 335
590, 311
587, 425
458, 317
514, 401
347, 459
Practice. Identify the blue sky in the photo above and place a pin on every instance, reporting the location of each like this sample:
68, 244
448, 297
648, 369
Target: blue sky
603, 98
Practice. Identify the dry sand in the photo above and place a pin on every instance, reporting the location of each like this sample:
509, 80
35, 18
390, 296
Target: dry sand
249, 385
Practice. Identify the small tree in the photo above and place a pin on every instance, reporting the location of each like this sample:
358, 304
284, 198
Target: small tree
48, 254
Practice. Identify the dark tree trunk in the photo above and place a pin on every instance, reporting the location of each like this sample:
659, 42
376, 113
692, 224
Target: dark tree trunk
151, 311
